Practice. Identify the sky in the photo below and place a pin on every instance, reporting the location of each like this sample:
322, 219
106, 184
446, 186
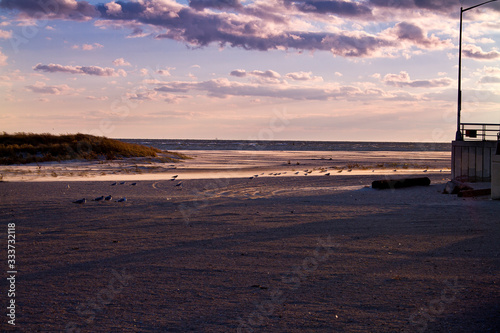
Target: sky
329, 70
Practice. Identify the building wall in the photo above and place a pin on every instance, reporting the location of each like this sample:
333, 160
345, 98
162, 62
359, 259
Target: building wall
471, 160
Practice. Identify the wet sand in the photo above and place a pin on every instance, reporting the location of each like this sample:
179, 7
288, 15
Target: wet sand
268, 254
205, 164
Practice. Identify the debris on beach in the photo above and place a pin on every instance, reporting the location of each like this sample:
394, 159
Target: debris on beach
465, 191
400, 183
455, 187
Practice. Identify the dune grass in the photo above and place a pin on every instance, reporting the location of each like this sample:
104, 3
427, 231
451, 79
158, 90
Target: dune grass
22, 148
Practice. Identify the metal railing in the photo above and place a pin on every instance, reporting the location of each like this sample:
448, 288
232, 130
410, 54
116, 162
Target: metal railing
480, 132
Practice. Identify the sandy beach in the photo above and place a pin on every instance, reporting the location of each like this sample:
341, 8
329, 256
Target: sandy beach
217, 249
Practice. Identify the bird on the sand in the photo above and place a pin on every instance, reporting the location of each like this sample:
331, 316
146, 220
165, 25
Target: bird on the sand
327, 174
122, 183
179, 184
175, 176
133, 184
108, 198
100, 198
113, 184
121, 200
81, 201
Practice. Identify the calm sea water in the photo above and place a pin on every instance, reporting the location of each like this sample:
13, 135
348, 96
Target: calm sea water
172, 144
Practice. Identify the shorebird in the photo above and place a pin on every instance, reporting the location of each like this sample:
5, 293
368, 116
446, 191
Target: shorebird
108, 198
133, 184
175, 176
100, 198
113, 184
122, 183
179, 184
327, 174
121, 200
81, 201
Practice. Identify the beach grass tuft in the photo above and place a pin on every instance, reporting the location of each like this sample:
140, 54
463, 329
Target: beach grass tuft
22, 148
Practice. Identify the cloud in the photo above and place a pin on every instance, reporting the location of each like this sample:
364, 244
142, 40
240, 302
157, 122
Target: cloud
217, 4
87, 47
222, 88
143, 95
252, 25
94, 98
341, 8
5, 34
303, 76
269, 74
113, 8
121, 62
410, 32
403, 80
42, 88
3, 59
201, 28
444, 6
489, 79
238, 73
476, 52
53, 9
86, 70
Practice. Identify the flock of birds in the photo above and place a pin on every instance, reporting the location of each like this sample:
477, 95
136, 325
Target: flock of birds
124, 199
105, 198
179, 184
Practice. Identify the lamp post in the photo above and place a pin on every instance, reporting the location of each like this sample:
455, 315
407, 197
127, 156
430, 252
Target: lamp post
458, 136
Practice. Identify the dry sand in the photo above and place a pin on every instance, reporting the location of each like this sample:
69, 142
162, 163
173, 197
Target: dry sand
269, 254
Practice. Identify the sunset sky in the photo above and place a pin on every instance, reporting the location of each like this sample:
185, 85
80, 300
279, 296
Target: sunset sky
371, 70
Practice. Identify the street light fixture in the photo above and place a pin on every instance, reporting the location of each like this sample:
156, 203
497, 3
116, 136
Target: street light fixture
458, 136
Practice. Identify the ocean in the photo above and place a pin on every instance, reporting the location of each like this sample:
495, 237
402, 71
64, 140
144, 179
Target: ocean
276, 145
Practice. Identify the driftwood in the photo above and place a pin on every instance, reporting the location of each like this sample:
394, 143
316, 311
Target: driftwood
400, 183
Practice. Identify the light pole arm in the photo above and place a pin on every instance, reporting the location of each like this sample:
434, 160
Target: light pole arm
484, 3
